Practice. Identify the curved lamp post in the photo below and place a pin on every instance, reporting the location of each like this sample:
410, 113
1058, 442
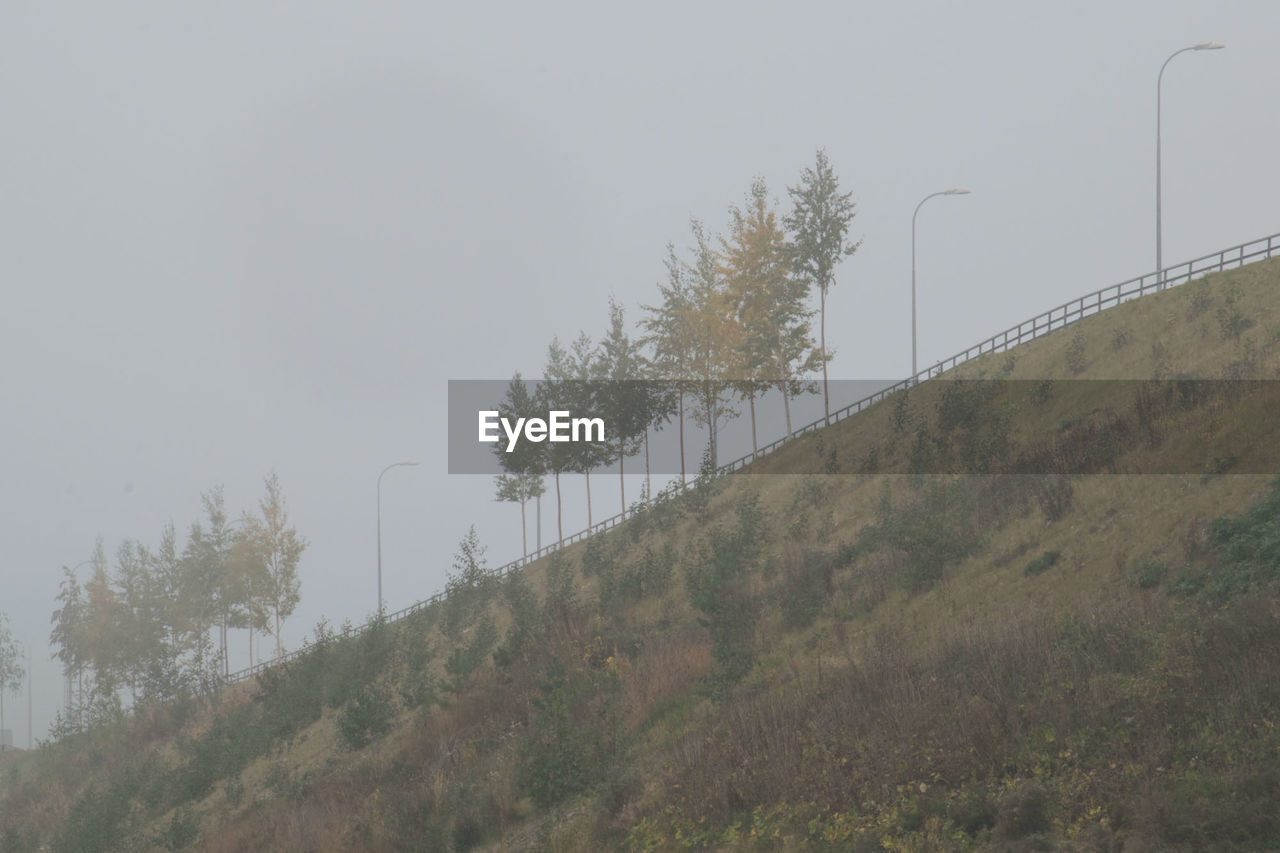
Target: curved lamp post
955, 191
384, 471
1208, 45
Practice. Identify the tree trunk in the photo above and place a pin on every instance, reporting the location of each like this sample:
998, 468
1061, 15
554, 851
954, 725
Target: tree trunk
755, 447
524, 535
648, 480
683, 479
711, 432
786, 404
589, 522
622, 483
278, 630
559, 511
822, 343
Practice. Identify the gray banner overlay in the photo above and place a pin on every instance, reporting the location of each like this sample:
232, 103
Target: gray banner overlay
1167, 426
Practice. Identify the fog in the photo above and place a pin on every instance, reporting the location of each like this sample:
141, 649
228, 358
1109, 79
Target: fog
240, 238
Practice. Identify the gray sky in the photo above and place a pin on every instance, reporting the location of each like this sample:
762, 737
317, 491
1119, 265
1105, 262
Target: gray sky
239, 237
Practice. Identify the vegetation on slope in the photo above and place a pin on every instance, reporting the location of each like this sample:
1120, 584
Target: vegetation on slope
826, 660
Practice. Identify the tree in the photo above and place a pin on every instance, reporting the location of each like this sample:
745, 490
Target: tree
622, 399
820, 222
169, 579
68, 636
573, 385
525, 464
217, 594
660, 400
104, 635
280, 549
771, 341
711, 328
671, 338
520, 488
11, 669
139, 633
249, 572
467, 587
555, 393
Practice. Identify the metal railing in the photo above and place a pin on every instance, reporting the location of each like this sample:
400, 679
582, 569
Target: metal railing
1042, 324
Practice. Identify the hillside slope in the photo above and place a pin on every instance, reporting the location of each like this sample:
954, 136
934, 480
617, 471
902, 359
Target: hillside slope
968, 618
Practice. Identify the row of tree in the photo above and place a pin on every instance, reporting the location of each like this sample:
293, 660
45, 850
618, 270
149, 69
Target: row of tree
734, 323
148, 624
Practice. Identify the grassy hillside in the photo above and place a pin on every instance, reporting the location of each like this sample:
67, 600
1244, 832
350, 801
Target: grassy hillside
966, 619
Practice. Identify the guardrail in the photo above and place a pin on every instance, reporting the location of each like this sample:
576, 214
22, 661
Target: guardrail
1042, 324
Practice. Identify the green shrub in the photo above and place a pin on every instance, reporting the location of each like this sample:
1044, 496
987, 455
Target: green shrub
972, 811
806, 587
1149, 574
931, 533
715, 582
366, 717
99, 820
1023, 812
522, 604
1042, 563
465, 659
559, 758
181, 832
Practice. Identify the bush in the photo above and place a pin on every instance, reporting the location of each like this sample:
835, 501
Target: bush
972, 811
1148, 575
559, 759
366, 717
1023, 812
465, 659
1042, 563
1055, 494
807, 586
715, 581
180, 833
98, 820
929, 534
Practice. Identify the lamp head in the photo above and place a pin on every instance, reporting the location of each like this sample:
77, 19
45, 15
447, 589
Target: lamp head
957, 191
1210, 45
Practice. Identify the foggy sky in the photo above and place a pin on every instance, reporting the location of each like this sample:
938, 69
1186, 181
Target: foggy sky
244, 237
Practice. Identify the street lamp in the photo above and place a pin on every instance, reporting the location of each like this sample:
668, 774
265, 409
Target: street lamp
1208, 45
913, 269
384, 471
